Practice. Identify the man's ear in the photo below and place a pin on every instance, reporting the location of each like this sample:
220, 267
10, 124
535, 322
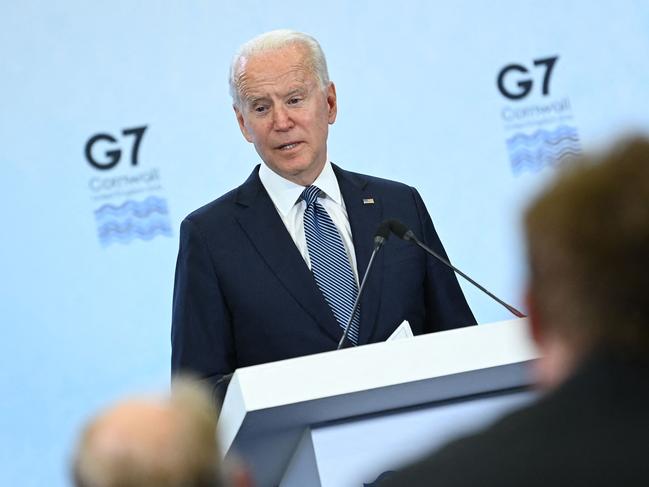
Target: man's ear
242, 124
332, 103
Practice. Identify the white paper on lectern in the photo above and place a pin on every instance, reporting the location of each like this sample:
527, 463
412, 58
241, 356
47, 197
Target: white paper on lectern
403, 331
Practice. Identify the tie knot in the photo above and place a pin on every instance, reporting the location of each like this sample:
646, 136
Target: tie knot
310, 194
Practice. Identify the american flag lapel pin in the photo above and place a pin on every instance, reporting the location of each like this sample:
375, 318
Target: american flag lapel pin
368, 201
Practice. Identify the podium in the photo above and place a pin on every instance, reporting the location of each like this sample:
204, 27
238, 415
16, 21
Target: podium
343, 418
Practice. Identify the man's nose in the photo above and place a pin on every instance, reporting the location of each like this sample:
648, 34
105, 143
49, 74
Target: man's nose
282, 118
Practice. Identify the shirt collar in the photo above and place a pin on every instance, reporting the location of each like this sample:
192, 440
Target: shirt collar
285, 193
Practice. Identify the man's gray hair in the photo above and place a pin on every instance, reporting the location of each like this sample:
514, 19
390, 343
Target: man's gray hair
275, 40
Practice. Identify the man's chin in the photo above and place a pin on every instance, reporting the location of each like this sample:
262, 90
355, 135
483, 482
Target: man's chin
299, 172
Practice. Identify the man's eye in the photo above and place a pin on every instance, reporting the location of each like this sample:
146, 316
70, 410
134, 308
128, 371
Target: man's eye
260, 109
294, 100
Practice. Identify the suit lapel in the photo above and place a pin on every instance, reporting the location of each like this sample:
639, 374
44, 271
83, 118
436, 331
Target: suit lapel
365, 213
259, 219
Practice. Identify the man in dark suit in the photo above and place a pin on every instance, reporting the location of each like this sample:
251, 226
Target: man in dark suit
269, 270
588, 240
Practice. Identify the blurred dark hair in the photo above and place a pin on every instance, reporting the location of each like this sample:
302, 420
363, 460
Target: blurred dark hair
588, 246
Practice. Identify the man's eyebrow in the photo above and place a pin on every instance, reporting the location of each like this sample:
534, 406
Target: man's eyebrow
296, 91
253, 100
299, 90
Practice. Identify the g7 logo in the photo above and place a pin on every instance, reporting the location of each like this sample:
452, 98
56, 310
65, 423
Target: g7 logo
114, 155
526, 84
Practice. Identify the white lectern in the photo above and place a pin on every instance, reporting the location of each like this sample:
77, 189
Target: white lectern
343, 417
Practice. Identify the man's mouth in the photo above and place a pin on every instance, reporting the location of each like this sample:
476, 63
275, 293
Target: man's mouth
289, 146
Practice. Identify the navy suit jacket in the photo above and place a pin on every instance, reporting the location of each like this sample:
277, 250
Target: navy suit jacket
244, 295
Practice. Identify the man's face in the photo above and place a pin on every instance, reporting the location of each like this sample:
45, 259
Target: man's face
285, 113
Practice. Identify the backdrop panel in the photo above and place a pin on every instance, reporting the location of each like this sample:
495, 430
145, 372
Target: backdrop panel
115, 122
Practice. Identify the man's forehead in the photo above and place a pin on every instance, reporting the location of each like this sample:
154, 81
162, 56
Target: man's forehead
255, 83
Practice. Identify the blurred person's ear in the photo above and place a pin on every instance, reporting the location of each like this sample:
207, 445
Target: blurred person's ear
236, 473
557, 357
240, 477
533, 319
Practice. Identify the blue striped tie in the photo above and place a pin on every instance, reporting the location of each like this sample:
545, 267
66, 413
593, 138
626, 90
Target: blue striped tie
329, 262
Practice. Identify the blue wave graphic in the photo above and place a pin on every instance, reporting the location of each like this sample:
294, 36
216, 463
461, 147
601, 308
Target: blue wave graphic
547, 136
142, 220
141, 209
543, 148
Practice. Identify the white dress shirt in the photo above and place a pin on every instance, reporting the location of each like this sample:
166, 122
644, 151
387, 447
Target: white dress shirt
285, 195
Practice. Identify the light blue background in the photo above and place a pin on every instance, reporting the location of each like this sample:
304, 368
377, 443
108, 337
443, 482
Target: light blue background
84, 324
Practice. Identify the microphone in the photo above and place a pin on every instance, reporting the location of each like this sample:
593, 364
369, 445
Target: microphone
381, 235
404, 233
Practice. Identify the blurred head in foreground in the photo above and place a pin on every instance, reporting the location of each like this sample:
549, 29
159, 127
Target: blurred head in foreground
588, 251
149, 441
588, 244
